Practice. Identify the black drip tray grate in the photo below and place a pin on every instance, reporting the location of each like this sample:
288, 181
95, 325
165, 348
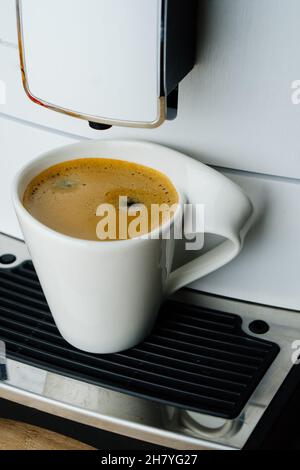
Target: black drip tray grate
196, 359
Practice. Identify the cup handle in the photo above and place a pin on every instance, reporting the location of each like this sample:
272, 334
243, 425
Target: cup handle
227, 213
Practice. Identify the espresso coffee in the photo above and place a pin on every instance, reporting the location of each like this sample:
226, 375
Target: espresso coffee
73, 198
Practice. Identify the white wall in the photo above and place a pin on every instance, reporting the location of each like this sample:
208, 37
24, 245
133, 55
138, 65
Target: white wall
235, 111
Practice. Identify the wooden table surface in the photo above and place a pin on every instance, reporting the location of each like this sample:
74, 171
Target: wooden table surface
20, 436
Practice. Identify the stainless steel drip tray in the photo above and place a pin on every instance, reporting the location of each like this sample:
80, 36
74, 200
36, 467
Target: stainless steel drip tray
151, 420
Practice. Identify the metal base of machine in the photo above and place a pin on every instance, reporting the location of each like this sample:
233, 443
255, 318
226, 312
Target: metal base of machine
144, 419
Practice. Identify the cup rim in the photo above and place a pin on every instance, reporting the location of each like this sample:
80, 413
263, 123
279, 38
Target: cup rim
19, 207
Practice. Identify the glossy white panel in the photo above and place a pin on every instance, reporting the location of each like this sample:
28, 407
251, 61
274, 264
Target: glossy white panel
8, 32
20, 106
97, 58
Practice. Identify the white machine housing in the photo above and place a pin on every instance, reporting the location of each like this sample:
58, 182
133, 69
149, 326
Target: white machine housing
108, 62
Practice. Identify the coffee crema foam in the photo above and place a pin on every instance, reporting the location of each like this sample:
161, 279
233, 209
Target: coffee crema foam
66, 196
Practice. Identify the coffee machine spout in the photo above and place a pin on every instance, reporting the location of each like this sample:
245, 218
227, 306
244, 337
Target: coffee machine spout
110, 63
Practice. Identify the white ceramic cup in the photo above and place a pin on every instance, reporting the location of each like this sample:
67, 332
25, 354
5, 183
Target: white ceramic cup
105, 296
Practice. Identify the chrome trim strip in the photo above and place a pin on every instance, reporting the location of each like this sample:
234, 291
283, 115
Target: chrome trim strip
135, 430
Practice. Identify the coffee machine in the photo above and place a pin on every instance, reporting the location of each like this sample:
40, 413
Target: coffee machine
124, 66
214, 80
